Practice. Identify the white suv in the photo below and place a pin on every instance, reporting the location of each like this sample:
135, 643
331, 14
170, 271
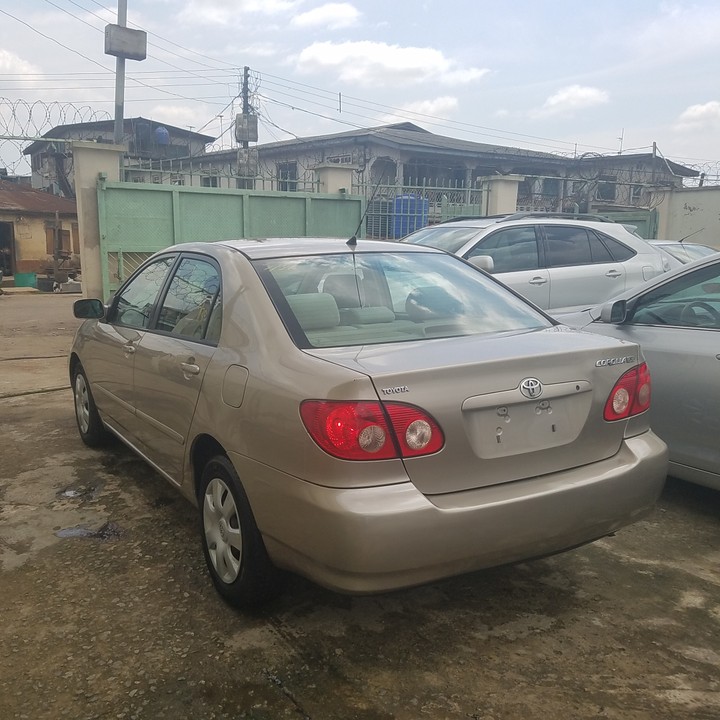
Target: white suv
558, 263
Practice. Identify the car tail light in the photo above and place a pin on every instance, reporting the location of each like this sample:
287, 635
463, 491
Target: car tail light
630, 396
367, 430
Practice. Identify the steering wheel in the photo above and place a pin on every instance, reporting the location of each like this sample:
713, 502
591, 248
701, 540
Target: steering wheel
688, 314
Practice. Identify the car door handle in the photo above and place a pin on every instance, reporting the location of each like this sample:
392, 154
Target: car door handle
538, 281
129, 349
613, 274
190, 368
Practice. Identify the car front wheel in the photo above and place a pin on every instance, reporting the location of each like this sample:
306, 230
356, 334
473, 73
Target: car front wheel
90, 426
233, 547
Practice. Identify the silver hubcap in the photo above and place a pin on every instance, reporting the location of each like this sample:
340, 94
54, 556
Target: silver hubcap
223, 538
82, 404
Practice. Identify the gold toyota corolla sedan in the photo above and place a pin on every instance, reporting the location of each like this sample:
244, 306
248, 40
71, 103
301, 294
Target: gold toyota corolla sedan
369, 415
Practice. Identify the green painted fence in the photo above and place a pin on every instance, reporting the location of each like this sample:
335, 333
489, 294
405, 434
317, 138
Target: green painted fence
138, 219
645, 222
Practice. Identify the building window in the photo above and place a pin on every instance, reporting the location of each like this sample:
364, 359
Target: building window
636, 192
64, 246
287, 174
210, 181
245, 183
551, 186
607, 187
177, 179
76, 238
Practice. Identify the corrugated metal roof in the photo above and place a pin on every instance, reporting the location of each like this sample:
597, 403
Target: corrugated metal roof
22, 199
410, 135
107, 127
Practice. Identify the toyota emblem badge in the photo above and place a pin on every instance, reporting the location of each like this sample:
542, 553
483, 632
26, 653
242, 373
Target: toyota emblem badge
531, 388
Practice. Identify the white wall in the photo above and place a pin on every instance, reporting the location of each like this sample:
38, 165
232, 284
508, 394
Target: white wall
692, 213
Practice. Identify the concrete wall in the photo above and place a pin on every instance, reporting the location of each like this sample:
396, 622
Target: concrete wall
692, 213
91, 160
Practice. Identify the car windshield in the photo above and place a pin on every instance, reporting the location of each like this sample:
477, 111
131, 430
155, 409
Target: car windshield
450, 239
698, 251
369, 298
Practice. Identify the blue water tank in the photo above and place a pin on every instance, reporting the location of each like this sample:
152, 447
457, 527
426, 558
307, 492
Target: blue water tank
410, 213
161, 135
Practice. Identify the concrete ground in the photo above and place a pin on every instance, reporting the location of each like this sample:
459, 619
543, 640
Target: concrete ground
121, 621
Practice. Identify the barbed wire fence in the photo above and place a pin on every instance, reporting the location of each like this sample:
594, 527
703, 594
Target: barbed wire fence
21, 122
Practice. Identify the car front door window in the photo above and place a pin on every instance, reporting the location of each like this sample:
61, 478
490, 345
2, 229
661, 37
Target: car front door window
690, 301
512, 249
136, 301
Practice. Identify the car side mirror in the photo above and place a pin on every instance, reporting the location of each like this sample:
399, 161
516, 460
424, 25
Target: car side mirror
89, 308
614, 312
484, 262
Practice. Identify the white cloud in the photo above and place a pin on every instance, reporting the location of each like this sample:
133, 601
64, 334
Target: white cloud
443, 107
183, 116
231, 12
571, 98
11, 64
331, 15
257, 49
682, 31
699, 117
378, 64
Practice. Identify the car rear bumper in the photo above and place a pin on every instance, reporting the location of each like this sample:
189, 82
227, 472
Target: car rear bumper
383, 538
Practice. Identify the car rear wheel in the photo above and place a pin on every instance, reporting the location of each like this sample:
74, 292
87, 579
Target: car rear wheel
90, 426
233, 547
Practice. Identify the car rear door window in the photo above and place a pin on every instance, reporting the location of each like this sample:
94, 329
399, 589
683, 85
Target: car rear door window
567, 246
512, 249
191, 300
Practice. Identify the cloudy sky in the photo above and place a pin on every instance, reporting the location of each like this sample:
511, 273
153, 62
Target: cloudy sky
553, 75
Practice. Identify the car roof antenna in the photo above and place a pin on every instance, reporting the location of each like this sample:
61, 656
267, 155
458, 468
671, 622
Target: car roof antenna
352, 242
690, 235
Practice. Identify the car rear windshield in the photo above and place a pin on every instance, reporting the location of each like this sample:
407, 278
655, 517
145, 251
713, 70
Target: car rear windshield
370, 298
450, 239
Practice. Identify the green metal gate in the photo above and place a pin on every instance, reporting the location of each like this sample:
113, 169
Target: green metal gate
138, 219
644, 221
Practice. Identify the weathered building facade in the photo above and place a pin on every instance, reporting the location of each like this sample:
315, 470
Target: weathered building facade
37, 230
147, 141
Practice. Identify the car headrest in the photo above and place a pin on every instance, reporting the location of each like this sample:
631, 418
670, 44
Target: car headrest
432, 303
315, 311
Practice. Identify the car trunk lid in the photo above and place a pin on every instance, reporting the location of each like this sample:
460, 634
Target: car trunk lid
511, 407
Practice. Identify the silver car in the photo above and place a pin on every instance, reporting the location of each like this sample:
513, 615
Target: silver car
676, 319
367, 414
556, 263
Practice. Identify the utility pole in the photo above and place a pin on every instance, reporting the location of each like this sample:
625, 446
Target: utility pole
246, 98
124, 44
120, 79
246, 131
654, 159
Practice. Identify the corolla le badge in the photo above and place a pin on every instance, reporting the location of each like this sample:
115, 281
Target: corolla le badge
606, 362
531, 387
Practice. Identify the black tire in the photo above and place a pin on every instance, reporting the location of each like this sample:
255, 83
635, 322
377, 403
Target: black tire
233, 547
92, 431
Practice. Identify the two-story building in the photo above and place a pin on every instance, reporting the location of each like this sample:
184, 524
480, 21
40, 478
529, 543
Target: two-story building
147, 141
